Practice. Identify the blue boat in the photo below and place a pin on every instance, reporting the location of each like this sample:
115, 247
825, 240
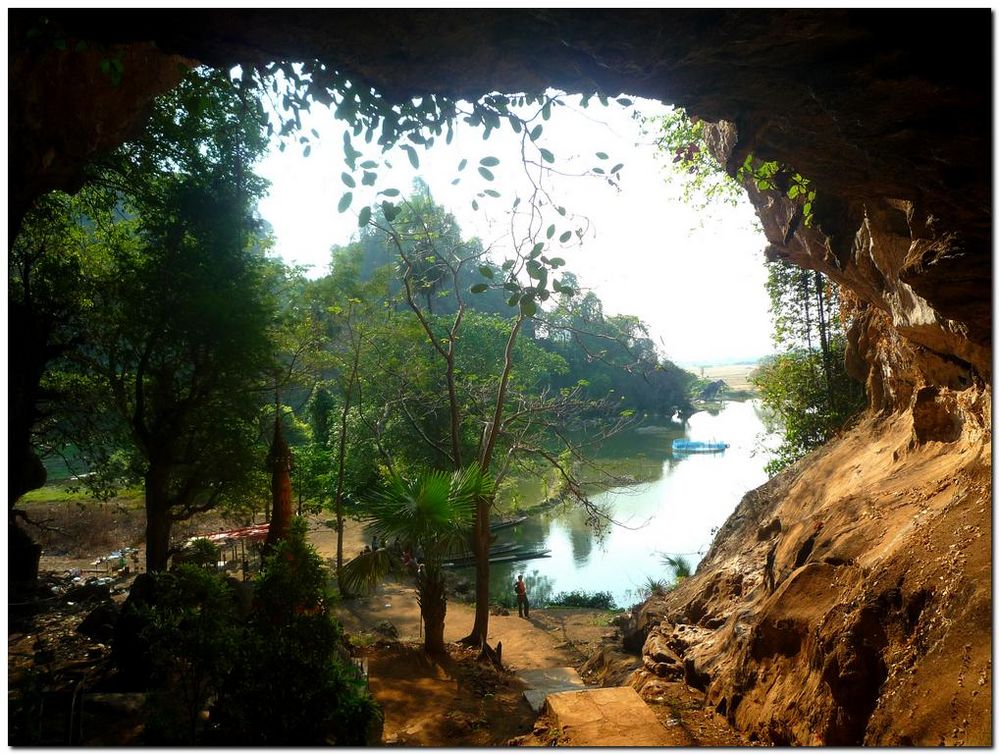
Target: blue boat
696, 446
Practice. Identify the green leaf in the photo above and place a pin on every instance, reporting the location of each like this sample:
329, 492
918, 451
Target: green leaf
565, 236
546, 111
479, 288
617, 168
551, 231
369, 178
601, 155
369, 164
567, 291
539, 247
486, 173
546, 155
512, 301
461, 165
345, 201
489, 162
348, 179
527, 306
624, 102
414, 159
536, 132
560, 210
390, 192
492, 192
307, 151
390, 211
512, 287
598, 171
363, 217
509, 263
603, 99
475, 205
486, 271
556, 262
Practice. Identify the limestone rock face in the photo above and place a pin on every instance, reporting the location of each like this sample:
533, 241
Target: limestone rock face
874, 623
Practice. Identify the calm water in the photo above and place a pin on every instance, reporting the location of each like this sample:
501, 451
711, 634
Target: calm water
674, 513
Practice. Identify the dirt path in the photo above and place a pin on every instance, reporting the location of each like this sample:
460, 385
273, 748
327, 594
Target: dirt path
527, 643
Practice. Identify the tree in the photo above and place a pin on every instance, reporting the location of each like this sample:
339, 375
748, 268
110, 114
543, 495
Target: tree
431, 513
805, 387
178, 332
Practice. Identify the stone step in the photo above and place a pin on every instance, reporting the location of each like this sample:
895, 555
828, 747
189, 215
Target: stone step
614, 716
541, 683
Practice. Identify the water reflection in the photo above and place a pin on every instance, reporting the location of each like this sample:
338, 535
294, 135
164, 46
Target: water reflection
673, 509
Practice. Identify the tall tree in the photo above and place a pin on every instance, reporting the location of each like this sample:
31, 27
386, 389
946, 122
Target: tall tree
805, 387
177, 334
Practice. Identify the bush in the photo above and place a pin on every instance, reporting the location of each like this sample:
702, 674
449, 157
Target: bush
282, 677
593, 600
294, 682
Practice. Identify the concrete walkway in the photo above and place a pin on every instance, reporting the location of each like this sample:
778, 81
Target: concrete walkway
614, 716
541, 683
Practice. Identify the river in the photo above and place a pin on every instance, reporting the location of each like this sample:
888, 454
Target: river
674, 510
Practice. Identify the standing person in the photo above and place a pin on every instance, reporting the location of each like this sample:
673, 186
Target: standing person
523, 607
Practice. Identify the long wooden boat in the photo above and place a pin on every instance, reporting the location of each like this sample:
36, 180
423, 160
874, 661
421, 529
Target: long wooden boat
696, 446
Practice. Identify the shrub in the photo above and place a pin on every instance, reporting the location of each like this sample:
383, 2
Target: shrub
593, 600
294, 682
282, 677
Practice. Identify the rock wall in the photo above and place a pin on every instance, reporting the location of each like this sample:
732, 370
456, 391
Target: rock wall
848, 600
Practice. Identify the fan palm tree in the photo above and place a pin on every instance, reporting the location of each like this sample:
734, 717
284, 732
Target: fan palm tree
433, 511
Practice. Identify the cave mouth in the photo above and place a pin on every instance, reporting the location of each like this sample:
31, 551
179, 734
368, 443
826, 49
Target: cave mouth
682, 252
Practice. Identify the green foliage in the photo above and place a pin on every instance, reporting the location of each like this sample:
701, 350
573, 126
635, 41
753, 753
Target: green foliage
776, 176
191, 638
805, 390
576, 598
681, 138
204, 553
162, 288
293, 683
679, 565
656, 587
805, 409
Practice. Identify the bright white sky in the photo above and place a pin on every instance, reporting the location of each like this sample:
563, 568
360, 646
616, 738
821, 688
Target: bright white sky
695, 277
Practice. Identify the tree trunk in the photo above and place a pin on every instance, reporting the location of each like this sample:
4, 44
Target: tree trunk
157, 519
480, 629
433, 606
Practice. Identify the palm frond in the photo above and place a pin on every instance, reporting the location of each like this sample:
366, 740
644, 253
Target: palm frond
363, 573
